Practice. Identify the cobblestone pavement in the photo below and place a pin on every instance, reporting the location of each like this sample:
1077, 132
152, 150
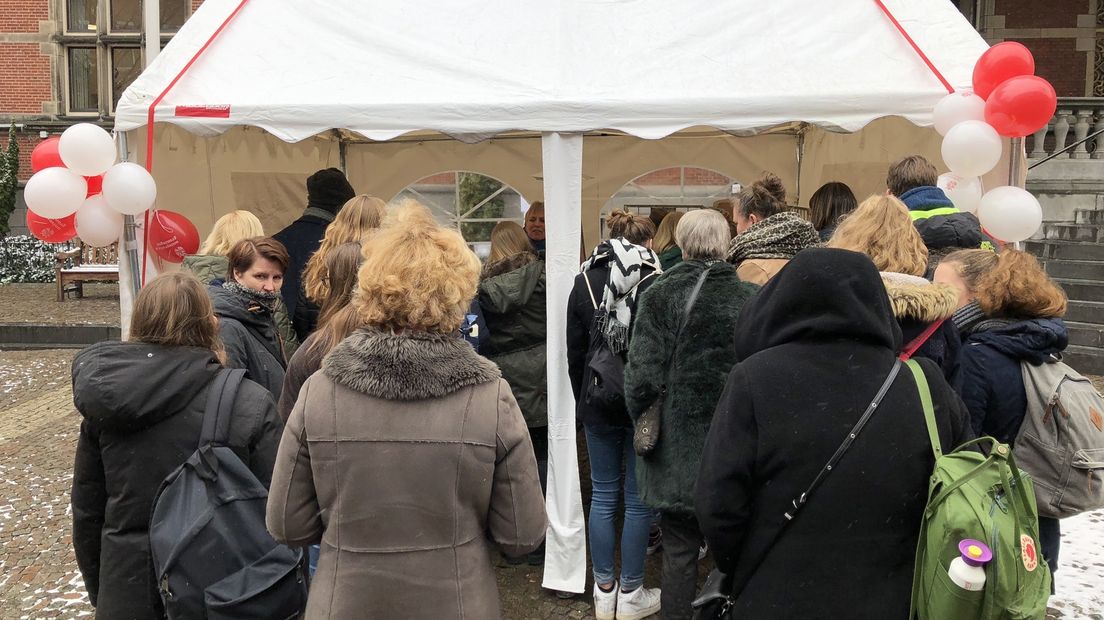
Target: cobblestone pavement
39, 578
37, 304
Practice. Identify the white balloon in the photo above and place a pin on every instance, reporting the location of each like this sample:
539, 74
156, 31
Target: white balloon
97, 224
129, 189
964, 192
972, 148
957, 107
1010, 213
87, 149
55, 192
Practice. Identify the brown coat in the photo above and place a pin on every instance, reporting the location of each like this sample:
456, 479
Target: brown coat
400, 456
760, 270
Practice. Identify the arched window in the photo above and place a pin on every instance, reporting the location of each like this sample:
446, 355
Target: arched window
469, 202
679, 188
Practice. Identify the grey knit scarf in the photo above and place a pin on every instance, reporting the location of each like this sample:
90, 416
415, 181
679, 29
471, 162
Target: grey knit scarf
781, 235
970, 319
263, 299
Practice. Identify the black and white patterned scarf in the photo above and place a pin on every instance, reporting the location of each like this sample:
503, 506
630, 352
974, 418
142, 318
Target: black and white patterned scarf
781, 235
629, 264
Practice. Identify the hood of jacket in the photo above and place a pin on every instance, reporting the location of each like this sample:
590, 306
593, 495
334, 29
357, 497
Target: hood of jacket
925, 198
207, 267
229, 305
128, 386
915, 298
407, 366
822, 295
508, 264
1033, 341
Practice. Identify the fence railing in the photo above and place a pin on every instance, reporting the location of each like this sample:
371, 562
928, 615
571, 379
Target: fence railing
1075, 119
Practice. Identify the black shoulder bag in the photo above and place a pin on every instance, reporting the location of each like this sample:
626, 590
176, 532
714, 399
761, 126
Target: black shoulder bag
717, 598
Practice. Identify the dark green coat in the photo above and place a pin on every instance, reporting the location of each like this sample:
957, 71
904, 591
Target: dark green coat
699, 363
512, 295
670, 257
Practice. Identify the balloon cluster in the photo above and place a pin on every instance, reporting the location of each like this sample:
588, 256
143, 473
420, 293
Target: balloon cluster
1008, 100
77, 189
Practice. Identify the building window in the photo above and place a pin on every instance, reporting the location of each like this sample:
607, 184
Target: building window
105, 61
659, 192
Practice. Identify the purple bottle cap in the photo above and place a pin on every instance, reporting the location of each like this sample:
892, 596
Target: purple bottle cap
974, 552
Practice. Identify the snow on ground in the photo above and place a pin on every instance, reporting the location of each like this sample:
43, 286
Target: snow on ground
1080, 578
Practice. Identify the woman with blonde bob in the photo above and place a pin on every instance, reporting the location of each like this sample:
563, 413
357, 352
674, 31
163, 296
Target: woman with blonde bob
664, 243
143, 402
882, 229
354, 223
212, 264
427, 432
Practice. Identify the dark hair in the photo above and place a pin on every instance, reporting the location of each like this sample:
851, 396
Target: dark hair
909, 173
633, 228
246, 251
829, 203
765, 197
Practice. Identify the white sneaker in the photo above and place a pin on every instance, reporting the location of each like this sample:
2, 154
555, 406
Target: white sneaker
638, 604
605, 603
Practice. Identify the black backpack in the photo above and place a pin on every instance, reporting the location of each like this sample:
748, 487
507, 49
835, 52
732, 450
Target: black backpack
604, 375
212, 555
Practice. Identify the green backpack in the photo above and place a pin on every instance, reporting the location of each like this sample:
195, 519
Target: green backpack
986, 498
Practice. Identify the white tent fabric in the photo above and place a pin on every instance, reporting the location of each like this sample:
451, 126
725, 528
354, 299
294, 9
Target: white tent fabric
474, 68
645, 67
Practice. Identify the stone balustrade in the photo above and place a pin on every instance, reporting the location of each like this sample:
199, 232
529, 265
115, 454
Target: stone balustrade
1075, 119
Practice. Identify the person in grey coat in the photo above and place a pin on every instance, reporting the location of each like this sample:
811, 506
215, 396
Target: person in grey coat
244, 305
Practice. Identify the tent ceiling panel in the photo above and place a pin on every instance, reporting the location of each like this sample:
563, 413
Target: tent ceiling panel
481, 67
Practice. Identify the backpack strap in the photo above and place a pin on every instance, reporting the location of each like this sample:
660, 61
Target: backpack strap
926, 403
914, 345
593, 301
221, 393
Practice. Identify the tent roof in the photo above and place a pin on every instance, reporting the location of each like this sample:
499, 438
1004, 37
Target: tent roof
462, 67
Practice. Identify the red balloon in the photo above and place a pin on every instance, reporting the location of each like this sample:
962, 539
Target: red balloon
172, 236
95, 185
1021, 106
52, 231
999, 63
46, 155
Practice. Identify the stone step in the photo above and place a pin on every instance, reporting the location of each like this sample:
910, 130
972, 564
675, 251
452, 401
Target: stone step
1088, 216
18, 336
1070, 231
1086, 334
1082, 290
1074, 269
1085, 360
1086, 312
1065, 250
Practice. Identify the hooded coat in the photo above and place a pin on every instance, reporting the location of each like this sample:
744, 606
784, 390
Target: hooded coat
815, 345
249, 336
940, 224
991, 380
212, 269
512, 294
406, 456
692, 365
917, 304
143, 409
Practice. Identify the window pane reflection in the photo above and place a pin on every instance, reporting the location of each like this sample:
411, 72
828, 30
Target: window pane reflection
84, 93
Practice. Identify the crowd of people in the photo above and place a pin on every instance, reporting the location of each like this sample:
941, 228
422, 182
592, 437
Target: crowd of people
396, 397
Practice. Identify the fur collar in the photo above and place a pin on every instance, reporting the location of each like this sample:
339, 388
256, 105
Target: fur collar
508, 264
408, 366
915, 298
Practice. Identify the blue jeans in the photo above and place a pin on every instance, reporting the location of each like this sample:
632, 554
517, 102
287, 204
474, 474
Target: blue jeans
609, 447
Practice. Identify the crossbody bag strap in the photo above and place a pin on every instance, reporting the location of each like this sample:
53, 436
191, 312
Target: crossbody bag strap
690, 303
800, 501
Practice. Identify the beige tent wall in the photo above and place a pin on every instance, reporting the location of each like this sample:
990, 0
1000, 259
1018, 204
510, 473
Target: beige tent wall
246, 168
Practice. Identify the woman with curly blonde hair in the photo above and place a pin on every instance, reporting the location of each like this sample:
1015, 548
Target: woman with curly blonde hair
882, 229
407, 452
354, 223
1016, 317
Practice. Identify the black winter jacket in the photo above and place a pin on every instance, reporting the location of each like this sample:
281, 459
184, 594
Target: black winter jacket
693, 366
940, 224
992, 383
305, 319
815, 345
250, 338
143, 410
301, 238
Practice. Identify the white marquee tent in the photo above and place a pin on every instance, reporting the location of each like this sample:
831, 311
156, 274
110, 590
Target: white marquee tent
564, 101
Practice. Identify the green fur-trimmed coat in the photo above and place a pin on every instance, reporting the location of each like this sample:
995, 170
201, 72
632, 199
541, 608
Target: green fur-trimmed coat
699, 363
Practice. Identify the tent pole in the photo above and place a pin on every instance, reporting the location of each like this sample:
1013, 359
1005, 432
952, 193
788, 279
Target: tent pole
128, 259
1016, 171
800, 161
565, 555
342, 150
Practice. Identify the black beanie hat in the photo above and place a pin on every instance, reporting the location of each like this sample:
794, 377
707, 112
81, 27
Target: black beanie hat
329, 189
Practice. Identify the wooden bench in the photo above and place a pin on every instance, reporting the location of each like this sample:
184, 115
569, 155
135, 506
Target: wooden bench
89, 264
